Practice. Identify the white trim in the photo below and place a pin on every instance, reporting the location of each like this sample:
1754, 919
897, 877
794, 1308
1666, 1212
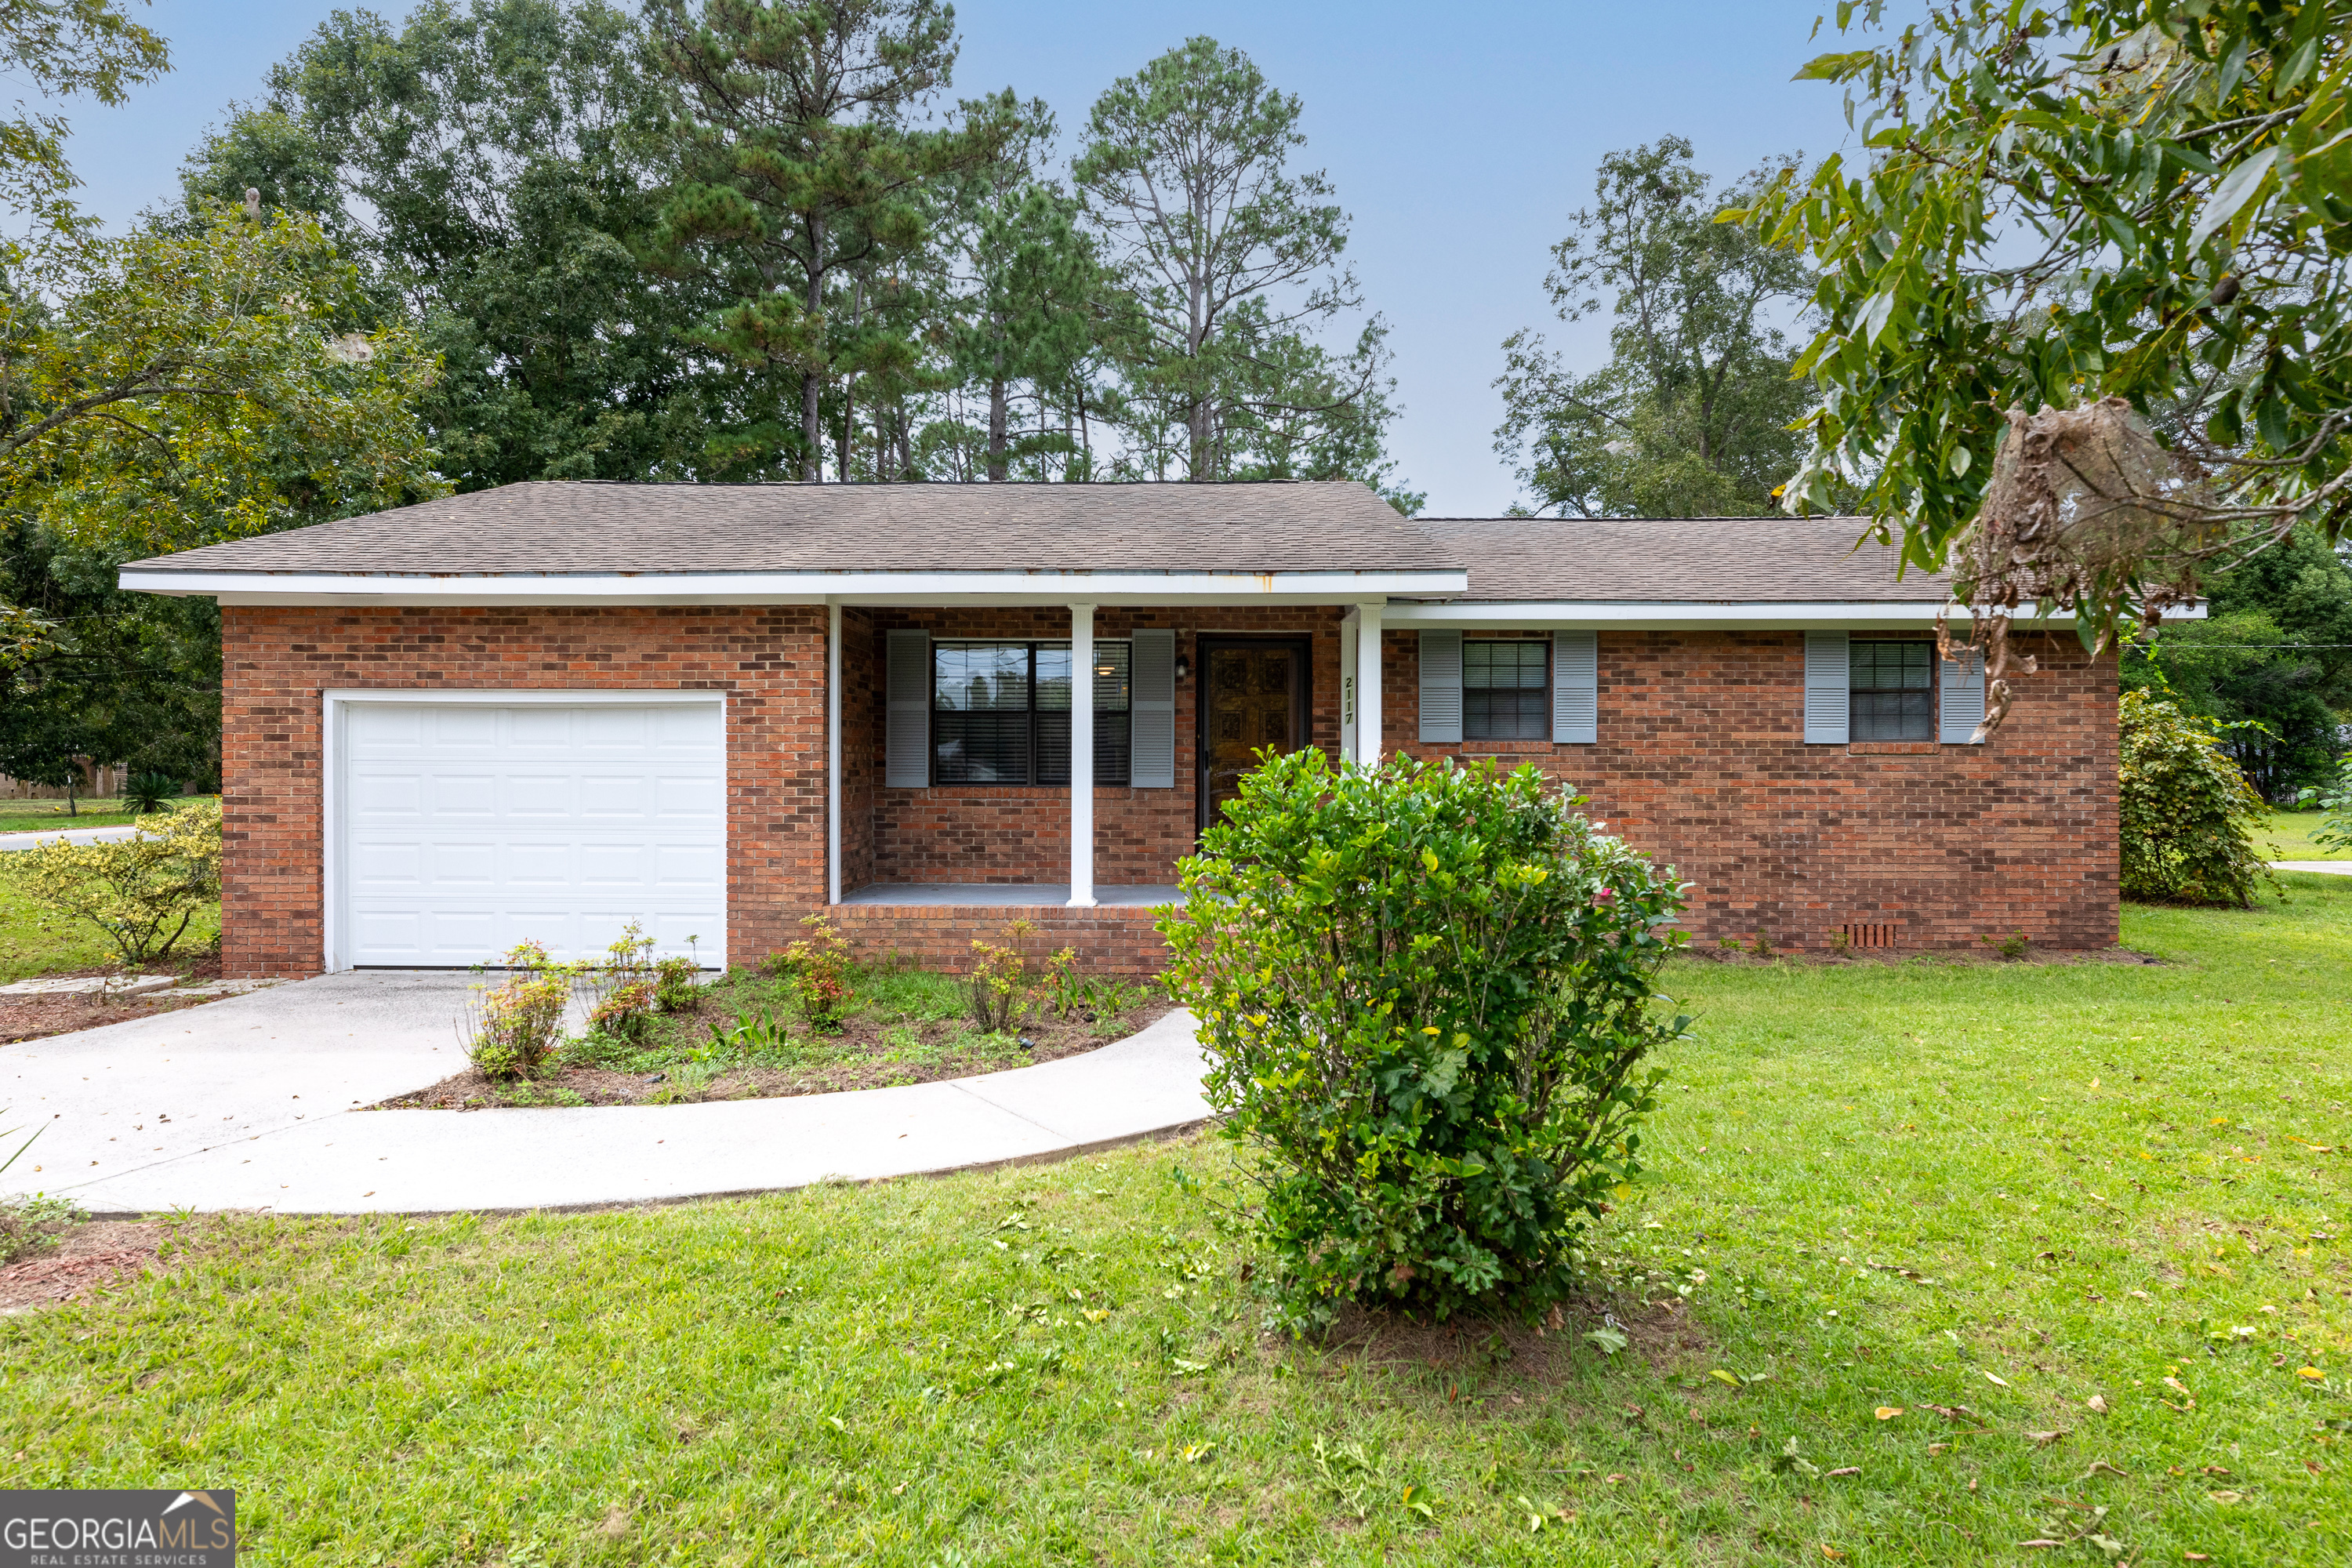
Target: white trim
334, 699
1368, 682
1082, 756
833, 754
908, 589
1695, 614
1350, 652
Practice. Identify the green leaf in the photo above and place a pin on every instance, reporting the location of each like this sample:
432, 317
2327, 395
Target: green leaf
2236, 189
1833, 67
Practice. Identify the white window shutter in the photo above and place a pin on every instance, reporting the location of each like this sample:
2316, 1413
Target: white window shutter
1151, 710
1828, 688
907, 736
1441, 685
1575, 688
1961, 697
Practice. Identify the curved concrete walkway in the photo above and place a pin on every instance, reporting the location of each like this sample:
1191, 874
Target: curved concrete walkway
2324, 867
254, 1103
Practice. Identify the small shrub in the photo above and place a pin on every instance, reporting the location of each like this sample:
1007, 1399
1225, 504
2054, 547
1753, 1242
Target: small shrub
511, 1029
2012, 947
817, 967
999, 975
761, 1034
1064, 987
142, 891
624, 1013
678, 985
1425, 994
2334, 800
1841, 944
2188, 815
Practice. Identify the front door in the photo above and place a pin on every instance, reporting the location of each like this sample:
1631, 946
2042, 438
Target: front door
1254, 699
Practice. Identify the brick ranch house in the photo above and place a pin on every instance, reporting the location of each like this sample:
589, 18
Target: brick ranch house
548, 710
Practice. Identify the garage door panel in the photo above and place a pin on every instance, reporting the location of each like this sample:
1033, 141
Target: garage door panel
380, 792
472, 827
695, 797
461, 796
462, 730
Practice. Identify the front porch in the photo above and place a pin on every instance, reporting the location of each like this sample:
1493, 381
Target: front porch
972, 783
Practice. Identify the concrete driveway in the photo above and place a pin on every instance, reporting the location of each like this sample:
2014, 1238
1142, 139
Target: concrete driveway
70, 834
254, 1103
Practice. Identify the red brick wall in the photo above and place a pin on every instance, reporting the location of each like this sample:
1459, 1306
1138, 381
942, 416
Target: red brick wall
1702, 763
1109, 941
277, 662
995, 833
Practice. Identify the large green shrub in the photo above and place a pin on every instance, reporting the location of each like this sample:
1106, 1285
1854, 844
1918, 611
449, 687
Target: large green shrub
2334, 800
142, 891
1424, 992
2188, 815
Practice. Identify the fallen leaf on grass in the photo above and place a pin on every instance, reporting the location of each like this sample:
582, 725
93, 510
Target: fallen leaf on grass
2096, 1404
1831, 1553
2227, 1497
1889, 1412
2099, 1465
2038, 1542
1845, 1470
1722, 1376
2312, 1373
2045, 1438
1997, 1382
2195, 1557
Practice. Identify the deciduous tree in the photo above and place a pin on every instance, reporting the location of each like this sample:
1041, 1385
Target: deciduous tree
1690, 415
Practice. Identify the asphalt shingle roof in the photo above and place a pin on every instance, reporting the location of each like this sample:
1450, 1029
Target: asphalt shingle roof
1731, 559
562, 526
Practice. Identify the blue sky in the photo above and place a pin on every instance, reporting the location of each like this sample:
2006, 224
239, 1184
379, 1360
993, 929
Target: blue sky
1460, 136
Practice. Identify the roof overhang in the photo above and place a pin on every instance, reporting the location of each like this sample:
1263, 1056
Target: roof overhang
1708, 615
903, 589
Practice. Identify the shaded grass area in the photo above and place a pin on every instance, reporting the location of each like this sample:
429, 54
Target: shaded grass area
2002, 1189
746, 1038
2287, 837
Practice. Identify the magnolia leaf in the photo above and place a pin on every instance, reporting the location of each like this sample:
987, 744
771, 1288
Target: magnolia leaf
2236, 189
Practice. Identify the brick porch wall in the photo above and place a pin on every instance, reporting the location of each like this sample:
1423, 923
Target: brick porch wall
996, 833
277, 662
1702, 763
1112, 941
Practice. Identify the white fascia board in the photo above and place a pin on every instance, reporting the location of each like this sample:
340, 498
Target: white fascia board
905, 589
1666, 616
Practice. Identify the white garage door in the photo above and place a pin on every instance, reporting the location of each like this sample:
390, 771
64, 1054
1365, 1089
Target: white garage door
469, 828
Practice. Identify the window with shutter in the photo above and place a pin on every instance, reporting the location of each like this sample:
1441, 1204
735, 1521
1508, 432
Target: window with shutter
1152, 747
1961, 694
906, 739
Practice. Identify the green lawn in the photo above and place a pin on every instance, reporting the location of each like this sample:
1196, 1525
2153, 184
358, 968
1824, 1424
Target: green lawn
2003, 1187
2288, 837
37, 940
49, 815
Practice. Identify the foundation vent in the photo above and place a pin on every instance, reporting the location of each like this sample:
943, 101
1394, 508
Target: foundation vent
1860, 935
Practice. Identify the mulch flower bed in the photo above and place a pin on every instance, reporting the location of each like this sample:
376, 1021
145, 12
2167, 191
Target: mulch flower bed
85, 1261
32, 1018
903, 1028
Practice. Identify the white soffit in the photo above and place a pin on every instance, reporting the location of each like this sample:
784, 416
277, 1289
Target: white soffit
880, 588
1667, 616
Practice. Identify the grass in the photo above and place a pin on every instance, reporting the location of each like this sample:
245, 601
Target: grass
37, 940
49, 815
2287, 837
2098, 1176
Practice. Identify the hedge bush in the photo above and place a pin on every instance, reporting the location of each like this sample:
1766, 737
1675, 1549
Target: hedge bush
142, 891
1425, 994
2187, 814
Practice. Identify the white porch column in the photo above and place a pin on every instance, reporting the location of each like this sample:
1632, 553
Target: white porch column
1368, 682
833, 754
1082, 756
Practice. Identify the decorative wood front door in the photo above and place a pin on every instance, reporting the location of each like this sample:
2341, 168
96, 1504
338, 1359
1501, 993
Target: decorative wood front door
1254, 699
